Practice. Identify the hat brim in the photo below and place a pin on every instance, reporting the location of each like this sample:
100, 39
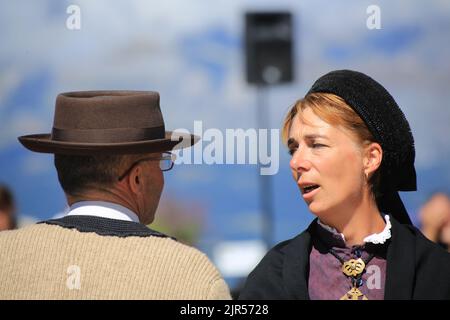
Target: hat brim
44, 144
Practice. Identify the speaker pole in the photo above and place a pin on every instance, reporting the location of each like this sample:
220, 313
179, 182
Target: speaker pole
269, 62
265, 181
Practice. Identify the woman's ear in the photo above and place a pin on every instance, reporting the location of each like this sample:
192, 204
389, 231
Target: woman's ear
372, 158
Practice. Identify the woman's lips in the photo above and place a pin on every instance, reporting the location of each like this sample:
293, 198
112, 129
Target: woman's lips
310, 194
308, 189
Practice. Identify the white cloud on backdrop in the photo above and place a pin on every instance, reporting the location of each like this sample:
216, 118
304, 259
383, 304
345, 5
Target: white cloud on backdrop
190, 52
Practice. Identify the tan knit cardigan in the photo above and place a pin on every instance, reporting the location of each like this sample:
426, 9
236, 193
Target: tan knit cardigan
46, 261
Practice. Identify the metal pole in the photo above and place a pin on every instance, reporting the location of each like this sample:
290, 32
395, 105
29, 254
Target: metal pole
265, 182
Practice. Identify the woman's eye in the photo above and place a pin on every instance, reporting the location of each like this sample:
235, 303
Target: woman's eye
292, 151
318, 145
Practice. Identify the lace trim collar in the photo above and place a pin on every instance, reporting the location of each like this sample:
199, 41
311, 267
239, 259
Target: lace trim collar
375, 238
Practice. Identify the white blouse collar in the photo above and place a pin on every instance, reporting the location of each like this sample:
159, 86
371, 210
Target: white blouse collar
375, 238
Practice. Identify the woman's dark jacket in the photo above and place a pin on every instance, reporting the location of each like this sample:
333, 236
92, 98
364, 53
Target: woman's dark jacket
416, 268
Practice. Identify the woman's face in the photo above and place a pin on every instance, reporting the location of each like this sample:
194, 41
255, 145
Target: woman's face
326, 163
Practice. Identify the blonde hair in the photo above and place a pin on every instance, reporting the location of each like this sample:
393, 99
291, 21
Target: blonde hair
331, 109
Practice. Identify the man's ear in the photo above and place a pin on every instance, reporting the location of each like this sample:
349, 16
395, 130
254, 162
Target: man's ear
134, 179
372, 158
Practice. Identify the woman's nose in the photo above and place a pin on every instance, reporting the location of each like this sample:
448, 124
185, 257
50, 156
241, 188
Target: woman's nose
299, 162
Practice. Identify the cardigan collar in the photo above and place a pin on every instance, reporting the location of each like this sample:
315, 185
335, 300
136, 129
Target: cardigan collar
105, 226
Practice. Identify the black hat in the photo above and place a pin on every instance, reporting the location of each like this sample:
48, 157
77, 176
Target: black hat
387, 123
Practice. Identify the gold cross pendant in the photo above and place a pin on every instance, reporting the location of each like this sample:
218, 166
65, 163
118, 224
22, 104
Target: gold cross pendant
354, 294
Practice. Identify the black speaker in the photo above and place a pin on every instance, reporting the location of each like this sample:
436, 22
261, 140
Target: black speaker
269, 47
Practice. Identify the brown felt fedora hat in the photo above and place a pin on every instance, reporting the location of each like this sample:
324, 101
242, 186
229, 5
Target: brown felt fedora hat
107, 122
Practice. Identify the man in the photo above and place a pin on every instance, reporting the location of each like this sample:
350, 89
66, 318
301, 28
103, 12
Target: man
110, 150
434, 217
7, 209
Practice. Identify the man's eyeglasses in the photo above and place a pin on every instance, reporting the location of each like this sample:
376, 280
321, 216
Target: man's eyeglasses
166, 162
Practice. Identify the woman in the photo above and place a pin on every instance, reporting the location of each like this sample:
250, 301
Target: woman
351, 152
